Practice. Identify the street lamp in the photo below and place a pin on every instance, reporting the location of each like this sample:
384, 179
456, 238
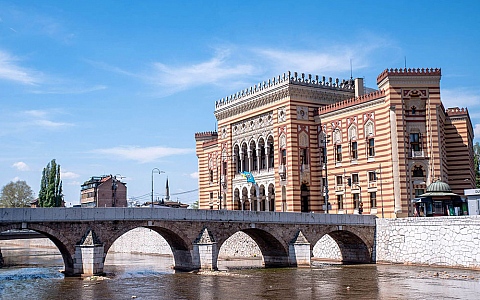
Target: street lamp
155, 170
381, 189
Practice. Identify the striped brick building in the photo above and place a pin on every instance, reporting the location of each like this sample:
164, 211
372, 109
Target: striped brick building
378, 150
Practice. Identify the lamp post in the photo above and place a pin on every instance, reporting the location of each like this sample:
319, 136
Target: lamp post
325, 142
381, 189
155, 170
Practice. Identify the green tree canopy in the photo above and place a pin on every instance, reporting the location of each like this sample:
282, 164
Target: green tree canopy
50, 194
16, 194
476, 163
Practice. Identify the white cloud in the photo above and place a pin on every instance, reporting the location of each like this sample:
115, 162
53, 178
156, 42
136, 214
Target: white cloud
214, 71
68, 175
21, 166
460, 97
142, 155
41, 118
194, 175
11, 71
477, 131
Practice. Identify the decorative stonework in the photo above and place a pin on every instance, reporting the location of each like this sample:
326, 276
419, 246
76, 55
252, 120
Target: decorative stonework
255, 128
205, 237
302, 113
282, 114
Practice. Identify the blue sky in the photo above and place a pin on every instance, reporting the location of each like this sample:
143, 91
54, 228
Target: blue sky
121, 87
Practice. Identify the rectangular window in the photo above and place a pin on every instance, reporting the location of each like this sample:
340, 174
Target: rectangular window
340, 201
354, 150
372, 176
224, 168
355, 179
415, 141
338, 153
373, 199
303, 156
284, 157
339, 180
371, 147
322, 155
211, 175
356, 200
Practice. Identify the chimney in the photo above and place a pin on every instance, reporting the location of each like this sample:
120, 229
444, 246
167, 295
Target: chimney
359, 91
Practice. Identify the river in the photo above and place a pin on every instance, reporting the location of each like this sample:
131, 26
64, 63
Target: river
34, 274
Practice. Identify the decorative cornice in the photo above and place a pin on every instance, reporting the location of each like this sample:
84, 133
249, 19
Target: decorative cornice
349, 102
281, 87
455, 111
408, 72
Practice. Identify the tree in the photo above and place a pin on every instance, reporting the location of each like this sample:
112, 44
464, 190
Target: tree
476, 163
50, 194
16, 194
194, 205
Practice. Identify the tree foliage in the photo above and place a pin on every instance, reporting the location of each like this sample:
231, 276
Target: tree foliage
476, 163
16, 194
50, 194
194, 205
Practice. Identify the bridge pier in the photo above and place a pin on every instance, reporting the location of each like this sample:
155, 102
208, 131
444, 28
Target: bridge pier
89, 256
205, 252
299, 252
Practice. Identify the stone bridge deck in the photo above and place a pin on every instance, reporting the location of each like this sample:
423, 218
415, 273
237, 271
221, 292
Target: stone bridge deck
84, 235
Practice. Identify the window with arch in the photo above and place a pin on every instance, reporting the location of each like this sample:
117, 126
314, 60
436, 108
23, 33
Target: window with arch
352, 137
418, 171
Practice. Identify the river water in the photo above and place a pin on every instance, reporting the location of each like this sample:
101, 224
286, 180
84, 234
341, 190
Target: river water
34, 274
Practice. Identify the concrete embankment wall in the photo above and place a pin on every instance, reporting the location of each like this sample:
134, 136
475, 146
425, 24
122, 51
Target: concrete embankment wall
439, 241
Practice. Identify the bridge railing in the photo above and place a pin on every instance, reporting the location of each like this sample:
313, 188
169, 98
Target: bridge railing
9, 215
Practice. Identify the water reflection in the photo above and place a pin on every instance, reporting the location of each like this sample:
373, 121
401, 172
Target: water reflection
151, 277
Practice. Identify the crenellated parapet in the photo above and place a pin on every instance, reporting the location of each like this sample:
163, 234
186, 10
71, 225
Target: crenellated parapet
408, 72
288, 78
350, 102
455, 111
206, 135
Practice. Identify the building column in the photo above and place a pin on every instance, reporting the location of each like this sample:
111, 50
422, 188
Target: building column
299, 251
89, 256
249, 157
242, 162
267, 157
259, 158
205, 252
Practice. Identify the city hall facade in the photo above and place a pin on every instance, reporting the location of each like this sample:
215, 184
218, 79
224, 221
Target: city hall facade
308, 141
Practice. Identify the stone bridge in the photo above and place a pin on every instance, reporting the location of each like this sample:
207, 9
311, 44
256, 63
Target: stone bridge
84, 235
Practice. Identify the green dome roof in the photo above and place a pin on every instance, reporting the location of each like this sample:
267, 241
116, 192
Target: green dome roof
439, 186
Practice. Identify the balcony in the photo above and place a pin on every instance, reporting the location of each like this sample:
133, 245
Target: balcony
282, 171
416, 154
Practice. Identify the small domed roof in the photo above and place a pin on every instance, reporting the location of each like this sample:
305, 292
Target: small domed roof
439, 186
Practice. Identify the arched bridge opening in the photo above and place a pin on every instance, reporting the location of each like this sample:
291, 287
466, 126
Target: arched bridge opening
343, 246
58, 241
271, 250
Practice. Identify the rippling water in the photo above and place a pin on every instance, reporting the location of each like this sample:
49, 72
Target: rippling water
35, 275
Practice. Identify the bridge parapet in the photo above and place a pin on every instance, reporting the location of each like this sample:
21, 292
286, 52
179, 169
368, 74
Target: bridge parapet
8, 215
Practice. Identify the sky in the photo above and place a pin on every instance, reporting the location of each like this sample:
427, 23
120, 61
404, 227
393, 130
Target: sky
121, 87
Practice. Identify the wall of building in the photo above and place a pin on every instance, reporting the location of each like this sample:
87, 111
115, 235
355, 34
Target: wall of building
439, 241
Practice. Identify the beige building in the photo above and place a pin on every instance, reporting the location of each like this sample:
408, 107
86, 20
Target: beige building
379, 150
103, 191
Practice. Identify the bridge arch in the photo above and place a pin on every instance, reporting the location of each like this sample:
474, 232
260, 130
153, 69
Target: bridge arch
63, 245
274, 249
179, 242
354, 248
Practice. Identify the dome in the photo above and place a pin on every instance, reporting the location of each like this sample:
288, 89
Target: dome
439, 186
